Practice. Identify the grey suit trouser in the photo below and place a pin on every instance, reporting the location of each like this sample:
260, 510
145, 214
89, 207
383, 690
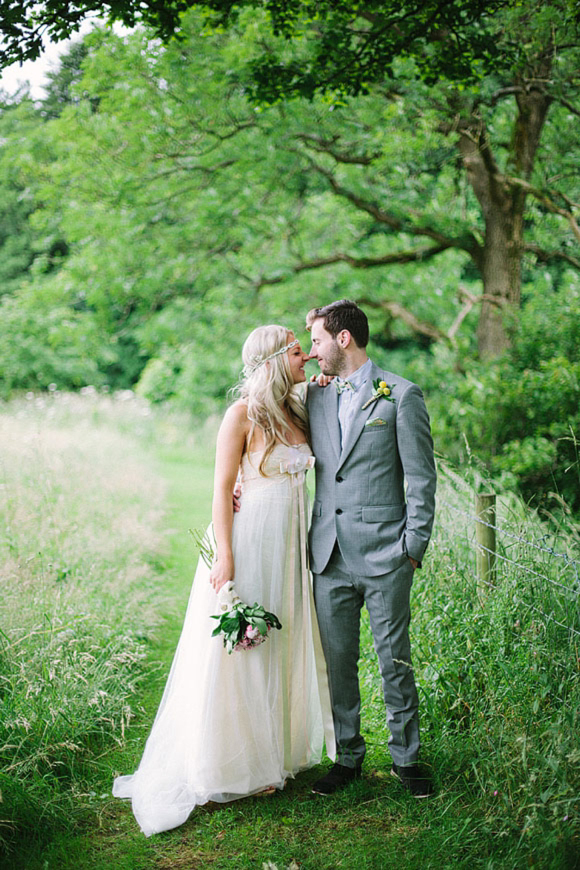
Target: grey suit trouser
339, 596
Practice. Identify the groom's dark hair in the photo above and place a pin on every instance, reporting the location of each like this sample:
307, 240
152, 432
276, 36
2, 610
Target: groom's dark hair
343, 314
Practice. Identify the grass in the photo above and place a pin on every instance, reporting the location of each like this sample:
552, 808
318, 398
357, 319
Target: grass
80, 532
499, 680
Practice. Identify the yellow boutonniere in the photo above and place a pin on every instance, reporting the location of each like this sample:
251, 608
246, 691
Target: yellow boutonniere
382, 391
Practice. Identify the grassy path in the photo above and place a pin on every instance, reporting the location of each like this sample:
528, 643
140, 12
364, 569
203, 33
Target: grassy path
363, 828
373, 825
110, 837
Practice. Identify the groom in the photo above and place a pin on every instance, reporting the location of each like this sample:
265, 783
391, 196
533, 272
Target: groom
370, 436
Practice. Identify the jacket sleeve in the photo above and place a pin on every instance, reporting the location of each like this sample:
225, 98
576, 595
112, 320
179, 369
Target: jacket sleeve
415, 446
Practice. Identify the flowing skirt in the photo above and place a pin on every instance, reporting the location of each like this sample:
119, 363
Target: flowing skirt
232, 725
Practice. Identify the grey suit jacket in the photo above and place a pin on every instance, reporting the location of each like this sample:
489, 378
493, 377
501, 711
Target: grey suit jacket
360, 490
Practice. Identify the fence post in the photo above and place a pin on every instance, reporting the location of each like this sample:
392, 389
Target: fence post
485, 540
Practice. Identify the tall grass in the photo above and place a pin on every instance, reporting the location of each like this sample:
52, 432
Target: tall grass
79, 517
500, 679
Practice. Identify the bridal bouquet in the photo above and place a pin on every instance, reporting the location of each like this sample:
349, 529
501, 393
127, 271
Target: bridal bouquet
241, 625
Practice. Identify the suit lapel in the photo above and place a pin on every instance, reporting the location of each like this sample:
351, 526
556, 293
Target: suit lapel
330, 405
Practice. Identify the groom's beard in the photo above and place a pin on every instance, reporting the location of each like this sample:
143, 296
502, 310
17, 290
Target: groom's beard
334, 361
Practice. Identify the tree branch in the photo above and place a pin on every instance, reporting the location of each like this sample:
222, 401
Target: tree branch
469, 302
411, 256
422, 327
546, 201
469, 245
325, 146
567, 105
545, 256
209, 170
568, 201
505, 92
398, 311
371, 208
498, 301
480, 141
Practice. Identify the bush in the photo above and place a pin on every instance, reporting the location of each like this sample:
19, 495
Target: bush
520, 416
45, 341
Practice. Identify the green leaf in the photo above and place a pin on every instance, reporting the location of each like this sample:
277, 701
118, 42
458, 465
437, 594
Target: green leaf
261, 625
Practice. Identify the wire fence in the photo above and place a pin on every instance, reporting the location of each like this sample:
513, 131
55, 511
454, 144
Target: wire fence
541, 567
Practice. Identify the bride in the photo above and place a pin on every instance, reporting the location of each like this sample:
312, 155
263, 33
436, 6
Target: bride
234, 725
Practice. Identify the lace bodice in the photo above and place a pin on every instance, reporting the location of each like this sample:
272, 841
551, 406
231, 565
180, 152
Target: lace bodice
283, 463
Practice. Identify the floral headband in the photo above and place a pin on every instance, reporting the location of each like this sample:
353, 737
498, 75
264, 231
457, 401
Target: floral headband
257, 361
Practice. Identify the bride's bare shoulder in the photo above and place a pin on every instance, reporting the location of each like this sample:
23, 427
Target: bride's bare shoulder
234, 429
237, 414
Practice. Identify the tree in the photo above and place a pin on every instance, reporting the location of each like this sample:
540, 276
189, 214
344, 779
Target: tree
23, 251
25, 26
353, 42
391, 161
61, 81
16, 203
190, 214
470, 56
492, 96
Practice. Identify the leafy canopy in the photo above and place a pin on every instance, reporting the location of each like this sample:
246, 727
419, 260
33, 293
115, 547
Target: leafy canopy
23, 26
347, 45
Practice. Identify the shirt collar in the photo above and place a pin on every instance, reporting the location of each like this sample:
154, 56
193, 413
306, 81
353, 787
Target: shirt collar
361, 375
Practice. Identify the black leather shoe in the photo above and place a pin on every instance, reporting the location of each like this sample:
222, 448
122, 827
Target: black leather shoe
415, 781
337, 777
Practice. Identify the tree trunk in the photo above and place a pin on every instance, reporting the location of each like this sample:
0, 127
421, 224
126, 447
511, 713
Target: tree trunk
502, 204
498, 259
501, 273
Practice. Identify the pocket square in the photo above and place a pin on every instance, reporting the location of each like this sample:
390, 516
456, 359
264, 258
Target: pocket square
376, 421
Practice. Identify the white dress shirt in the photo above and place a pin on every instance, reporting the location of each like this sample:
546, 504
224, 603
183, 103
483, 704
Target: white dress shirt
347, 399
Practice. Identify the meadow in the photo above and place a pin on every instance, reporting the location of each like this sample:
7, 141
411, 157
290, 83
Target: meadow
97, 494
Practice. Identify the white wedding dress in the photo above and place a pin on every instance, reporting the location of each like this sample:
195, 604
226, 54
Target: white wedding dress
233, 725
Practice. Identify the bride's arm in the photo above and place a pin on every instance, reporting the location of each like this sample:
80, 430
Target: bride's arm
229, 448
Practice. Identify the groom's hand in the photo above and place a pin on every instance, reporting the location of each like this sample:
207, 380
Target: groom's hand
321, 380
414, 563
236, 496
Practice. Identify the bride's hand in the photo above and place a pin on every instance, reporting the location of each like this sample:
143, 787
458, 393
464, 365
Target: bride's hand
221, 573
321, 380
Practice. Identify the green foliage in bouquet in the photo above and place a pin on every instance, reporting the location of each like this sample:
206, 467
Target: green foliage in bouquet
205, 543
245, 626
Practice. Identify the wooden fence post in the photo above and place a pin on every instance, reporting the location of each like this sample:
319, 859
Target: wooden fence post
485, 539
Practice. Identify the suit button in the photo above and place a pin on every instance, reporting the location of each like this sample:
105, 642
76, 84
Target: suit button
339, 478
339, 510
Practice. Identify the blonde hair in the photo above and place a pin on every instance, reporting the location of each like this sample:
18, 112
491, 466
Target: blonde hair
267, 387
